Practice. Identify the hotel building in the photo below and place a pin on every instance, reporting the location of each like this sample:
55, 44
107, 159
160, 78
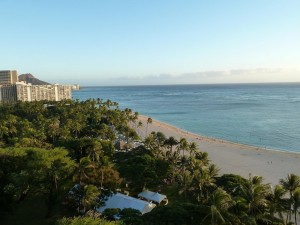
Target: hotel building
54, 92
8, 76
11, 90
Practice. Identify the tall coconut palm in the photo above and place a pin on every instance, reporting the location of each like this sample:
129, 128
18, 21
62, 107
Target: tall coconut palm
290, 183
149, 120
89, 198
160, 139
173, 158
194, 164
95, 151
183, 145
170, 142
134, 117
296, 203
203, 183
150, 141
213, 170
139, 125
253, 197
193, 148
277, 201
53, 128
84, 170
203, 157
185, 180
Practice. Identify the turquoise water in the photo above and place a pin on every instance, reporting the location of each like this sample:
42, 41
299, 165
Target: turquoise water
265, 115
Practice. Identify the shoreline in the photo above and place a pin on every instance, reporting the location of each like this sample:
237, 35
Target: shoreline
219, 139
232, 157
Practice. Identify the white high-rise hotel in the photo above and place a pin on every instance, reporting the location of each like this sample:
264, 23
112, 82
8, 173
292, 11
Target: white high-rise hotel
11, 90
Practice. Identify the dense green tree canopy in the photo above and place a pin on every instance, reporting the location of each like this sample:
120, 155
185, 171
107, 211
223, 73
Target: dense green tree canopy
61, 156
85, 221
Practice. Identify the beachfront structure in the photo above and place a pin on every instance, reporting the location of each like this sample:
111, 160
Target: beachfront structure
11, 90
75, 87
54, 92
121, 201
152, 196
20, 91
8, 77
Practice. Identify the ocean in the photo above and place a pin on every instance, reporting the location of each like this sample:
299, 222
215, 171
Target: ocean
263, 115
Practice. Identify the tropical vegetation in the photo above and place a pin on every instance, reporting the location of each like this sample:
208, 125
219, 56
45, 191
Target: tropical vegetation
58, 163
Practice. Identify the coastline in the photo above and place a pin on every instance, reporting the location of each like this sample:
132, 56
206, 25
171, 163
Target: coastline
231, 157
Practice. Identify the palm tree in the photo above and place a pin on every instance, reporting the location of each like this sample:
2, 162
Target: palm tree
150, 140
193, 148
101, 168
290, 183
213, 170
194, 164
204, 184
84, 169
183, 145
134, 118
53, 128
203, 157
154, 142
185, 180
296, 203
139, 125
95, 151
253, 197
160, 138
277, 202
158, 141
149, 120
218, 208
89, 198
170, 142
173, 159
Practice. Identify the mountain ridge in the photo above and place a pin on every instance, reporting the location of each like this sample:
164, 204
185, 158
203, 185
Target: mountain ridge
29, 78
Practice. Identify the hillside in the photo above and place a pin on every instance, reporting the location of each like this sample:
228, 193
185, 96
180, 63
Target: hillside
29, 78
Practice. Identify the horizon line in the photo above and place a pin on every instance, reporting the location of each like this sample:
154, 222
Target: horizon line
147, 85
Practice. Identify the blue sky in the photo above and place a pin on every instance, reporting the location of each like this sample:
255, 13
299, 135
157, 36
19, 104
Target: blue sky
94, 42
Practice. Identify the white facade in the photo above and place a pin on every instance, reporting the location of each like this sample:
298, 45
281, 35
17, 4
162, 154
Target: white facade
55, 92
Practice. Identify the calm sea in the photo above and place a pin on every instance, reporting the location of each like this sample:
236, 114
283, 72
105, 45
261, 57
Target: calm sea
265, 115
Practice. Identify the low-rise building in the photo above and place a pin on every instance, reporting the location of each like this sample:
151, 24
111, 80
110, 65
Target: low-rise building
120, 201
153, 196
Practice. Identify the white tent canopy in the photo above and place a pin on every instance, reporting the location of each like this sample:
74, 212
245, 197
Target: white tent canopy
120, 201
152, 196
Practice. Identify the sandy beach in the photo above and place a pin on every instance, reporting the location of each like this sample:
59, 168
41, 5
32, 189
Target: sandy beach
231, 157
